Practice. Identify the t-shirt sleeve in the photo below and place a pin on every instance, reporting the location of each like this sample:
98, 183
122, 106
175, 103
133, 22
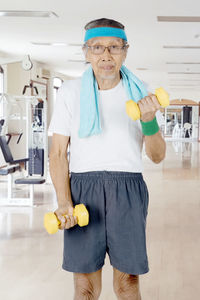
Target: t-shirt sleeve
62, 115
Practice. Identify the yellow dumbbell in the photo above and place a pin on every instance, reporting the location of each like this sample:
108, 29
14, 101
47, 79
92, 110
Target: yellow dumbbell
51, 222
132, 108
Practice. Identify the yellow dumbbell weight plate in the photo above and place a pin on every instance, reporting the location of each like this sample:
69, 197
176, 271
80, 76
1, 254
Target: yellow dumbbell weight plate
132, 110
162, 96
82, 214
51, 223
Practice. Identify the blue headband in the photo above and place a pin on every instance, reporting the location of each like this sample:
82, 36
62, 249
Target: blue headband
105, 31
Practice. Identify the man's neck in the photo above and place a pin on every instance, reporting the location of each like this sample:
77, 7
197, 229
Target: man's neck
107, 84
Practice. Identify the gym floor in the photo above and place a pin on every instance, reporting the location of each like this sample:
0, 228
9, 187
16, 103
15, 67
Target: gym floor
30, 259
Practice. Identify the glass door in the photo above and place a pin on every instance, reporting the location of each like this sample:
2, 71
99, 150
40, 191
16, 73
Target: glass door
182, 122
173, 119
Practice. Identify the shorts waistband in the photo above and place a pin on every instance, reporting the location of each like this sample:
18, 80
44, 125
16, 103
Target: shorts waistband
107, 175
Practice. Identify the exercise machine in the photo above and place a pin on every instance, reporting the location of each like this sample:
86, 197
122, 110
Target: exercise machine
32, 117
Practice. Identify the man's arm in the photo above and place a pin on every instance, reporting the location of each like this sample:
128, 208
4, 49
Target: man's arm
155, 145
59, 170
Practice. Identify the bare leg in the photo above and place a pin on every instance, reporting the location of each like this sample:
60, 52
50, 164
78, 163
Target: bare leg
87, 286
126, 286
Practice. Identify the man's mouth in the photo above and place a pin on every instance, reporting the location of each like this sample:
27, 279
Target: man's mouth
107, 68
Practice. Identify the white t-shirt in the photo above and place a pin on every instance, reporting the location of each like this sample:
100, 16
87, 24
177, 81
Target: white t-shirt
117, 148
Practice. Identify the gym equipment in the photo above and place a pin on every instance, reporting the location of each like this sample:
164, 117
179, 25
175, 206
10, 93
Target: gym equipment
10, 111
27, 115
1, 124
37, 148
36, 161
9, 170
27, 63
7, 153
132, 108
31, 87
51, 222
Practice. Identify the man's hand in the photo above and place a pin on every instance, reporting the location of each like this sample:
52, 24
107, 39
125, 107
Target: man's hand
148, 107
65, 216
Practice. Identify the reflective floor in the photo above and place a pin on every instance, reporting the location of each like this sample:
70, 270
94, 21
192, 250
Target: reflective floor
30, 259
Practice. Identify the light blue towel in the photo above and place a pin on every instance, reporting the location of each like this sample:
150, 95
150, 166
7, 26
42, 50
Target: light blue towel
89, 99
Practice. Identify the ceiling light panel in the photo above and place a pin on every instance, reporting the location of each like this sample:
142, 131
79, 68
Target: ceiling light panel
184, 85
178, 18
76, 60
75, 45
181, 89
141, 69
49, 44
40, 44
183, 63
196, 80
27, 13
188, 73
181, 47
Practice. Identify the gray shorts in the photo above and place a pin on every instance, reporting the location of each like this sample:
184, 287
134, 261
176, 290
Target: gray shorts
118, 204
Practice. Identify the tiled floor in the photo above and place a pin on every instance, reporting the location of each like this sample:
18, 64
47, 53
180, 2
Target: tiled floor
30, 259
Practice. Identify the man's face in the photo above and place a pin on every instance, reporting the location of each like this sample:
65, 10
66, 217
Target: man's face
106, 65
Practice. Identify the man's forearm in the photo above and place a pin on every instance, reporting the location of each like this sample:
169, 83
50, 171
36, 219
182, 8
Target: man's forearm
59, 170
155, 147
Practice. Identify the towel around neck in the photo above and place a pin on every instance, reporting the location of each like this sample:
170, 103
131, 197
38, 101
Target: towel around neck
90, 123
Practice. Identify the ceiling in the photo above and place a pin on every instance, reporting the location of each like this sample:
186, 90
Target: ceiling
178, 70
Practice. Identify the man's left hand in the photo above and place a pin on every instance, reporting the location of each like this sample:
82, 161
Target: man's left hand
148, 107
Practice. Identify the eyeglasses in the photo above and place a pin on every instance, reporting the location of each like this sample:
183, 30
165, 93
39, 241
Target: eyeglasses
113, 49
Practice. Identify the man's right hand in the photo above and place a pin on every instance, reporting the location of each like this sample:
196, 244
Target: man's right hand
65, 216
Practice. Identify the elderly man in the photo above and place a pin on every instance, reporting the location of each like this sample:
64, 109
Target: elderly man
104, 170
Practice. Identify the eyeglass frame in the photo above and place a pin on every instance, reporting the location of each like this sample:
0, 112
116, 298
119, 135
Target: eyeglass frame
107, 47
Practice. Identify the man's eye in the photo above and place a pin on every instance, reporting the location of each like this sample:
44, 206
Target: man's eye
97, 47
114, 46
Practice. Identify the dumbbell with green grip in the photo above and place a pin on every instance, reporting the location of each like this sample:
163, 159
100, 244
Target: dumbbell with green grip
132, 108
51, 222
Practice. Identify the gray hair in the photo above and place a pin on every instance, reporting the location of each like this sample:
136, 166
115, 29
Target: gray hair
103, 22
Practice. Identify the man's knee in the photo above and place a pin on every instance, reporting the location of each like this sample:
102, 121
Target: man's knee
86, 288
86, 293
127, 286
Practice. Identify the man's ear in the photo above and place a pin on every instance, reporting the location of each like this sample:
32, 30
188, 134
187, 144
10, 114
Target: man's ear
85, 52
126, 50
125, 53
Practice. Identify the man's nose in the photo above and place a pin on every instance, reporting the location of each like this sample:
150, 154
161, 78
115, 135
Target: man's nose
106, 55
